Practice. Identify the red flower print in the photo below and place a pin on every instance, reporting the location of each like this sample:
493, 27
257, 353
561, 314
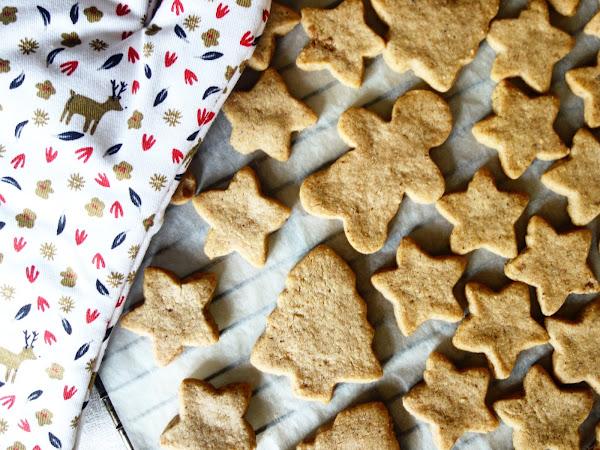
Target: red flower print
205, 116
19, 159
18, 245
42, 304
222, 11
69, 67
132, 55
68, 393
116, 209
177, 155
49, 338
265, 15
147, 142
170, 59
98, 260
121, 300
80, 236
122, 10
102, 180
177, 7
31, 273
135, 87
247, 40
126, 34
91, 316
8, 400
85, 153
190, 77
24, 425
50, 155
2, 199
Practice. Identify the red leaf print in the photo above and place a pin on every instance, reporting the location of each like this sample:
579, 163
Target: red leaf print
69, 67
42, 304
177, 155
135, 87
80, 236
49, 338
126, 34
222, 11
50, 155
19, 159
122, 10
68, 393
18, 245
8, 400
84, 153
24, 425
132, 55
102, 180
205, 116
170, 59
190, 77
247, 40
91, 316
2, 199
116, 209
147, 142
265, 15
31, 273
177, 7
98, 260
120, 302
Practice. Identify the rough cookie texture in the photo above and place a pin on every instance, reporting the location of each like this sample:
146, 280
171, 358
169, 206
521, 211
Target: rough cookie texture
174, 313
452, 401
578, 178
585, 83
365, 186
576, 345
241, 218
185, 190
421, 287
545, 416
210, 418
483, 216
597, 444
593, 26
521, 129
318, 334
366, 427
339, 40
499, 325
554, 263
565, 7
280, 22
435, 39
528, 47
265, 117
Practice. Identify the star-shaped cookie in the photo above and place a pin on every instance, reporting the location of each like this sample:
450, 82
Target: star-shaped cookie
434, 39
565, 7
528, 47
210, 418
545, 417
585, 83
554, 263
499, 325
174, 313
521, 129
578, 178
339, 40
280, 22
421, 287
483, 216
452, 401
593, 26
240, 218
265, 117
597, 444
576, 345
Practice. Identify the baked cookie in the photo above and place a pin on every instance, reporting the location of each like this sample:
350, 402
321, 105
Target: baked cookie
597, 444
452, 401
307, 336
554, 263
528, 47
434, 39
576, 345
565, 7
280, 22
240, 218
521, 129
174, 313
421, 287
593, 26
185, 190
585, 83
483, 216
210, 418
365, 186
265, 117
339, 41
366, 427
545, 416
500, 325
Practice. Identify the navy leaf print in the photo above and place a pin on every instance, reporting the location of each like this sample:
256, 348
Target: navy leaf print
67, 326
19, 128
11, 180
107, 334
2, 225
135, 199
147, 71
179, 176
61, 224
256, 39
82, 351
34, 395
84, 405
180, 33
192, 136
111, 62
23, 311
52, 55
101, 288
70, 135
211, 90
45, 15
54, 441
119, 239
209, 56
161, 97
114, 149
2, 384
74, 14
18, 81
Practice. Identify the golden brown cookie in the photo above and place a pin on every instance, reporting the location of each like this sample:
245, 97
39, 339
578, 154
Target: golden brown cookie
308, 335
597, 444
240, 218
452, 401
483, 216
280, 22
585, 83
365, 427
528, 47
185, 190
435, 39
365, 186
593, 26
576, 345
210, 418
521, 129
578, 178
565, 7
554, 263
500, 325
265, 117
174, 313
545, 416
421, 287
339, 40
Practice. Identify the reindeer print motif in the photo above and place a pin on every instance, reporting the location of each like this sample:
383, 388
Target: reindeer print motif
12, 361
92, 110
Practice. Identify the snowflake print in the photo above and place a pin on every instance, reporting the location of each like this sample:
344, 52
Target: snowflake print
172, 117
90, 365
133, 251
48, 251
191, 22
98, 45
115, 279
143, 20
2, 150
28, 46
7, 292
67, 304
74, 422
3, 426
76, 182
131, 277
148, 49
158, 181
40, 118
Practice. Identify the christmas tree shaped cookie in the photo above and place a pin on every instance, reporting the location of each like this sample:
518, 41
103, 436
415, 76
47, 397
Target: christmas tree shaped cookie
318, 334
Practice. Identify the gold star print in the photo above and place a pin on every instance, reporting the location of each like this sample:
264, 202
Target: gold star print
585, 83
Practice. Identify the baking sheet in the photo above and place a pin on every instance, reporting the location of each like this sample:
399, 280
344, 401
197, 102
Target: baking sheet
145, 397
